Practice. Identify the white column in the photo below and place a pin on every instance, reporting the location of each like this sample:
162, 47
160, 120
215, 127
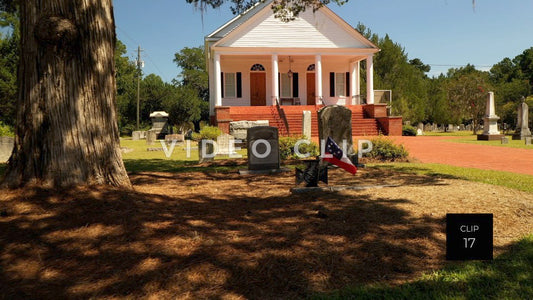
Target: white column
318, 79
218, 81
369, 80
357, 90
275, 82
353, 81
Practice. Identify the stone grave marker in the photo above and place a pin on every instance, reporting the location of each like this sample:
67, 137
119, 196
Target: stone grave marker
226, 145
450, 128
151, 136
522, 130
6, 147
159, 123
238, 129
490, 122
179, 138
462, 127
336, 122
527, 140
505, 140
306, 123
135, 135
263, 148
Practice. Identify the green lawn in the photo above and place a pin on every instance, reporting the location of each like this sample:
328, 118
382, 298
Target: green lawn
455, 133
473, 140
508, 276
142, 160
512, 180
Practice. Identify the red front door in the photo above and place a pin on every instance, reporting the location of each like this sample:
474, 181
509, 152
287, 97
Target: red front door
257, 89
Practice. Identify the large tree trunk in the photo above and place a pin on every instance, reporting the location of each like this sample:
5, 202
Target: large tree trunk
66, 132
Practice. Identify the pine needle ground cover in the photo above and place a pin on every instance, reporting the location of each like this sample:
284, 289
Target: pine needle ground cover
215, 234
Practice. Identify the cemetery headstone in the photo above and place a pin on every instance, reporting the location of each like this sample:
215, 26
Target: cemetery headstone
428, 127
160, 123
505, 140
226, 145
151, 136
522, 130
263, 148
306, 123
179, 138
462, 127
6, 147
490, 122
135, 135
527, 140
450, 128
206, 150
336, 122
238, 129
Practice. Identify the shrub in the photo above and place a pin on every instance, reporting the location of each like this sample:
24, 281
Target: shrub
408, 130
385, 150
207, 133
6, 130
286, 147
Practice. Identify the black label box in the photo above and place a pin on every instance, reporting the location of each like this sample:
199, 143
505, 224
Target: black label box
469, 236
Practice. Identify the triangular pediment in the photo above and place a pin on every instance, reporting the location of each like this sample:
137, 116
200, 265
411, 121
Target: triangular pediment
320, 29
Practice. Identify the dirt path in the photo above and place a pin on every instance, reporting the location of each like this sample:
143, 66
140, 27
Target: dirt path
433, 149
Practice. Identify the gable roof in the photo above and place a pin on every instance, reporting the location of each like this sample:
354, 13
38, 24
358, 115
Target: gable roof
258, 27
237, 21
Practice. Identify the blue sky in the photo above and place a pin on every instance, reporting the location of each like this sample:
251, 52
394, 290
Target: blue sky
443, 33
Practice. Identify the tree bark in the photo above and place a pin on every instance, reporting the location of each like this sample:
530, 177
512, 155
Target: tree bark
66, 131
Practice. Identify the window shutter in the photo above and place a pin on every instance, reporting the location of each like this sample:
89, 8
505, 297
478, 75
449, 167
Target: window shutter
239, 85
222, 83
332, 84
295, 85
347, 84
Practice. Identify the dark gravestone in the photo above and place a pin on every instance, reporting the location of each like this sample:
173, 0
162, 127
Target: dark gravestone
263, 148
336, 122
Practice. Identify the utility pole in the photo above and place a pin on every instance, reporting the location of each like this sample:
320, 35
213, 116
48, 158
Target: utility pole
140, 64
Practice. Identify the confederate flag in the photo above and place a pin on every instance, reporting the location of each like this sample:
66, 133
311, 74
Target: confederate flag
337, 157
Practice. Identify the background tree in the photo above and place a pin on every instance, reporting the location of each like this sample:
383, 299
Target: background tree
126, 73
467, 92
511, 79
394, 71
9, 58
194, 79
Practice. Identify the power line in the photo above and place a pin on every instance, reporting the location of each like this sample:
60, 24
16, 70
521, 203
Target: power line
145, 52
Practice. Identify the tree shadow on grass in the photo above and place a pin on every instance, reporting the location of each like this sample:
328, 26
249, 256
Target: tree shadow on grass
416, 170
507, 277
102, 242
179, 166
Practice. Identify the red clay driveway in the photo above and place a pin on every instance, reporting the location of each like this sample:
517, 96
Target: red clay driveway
433, 149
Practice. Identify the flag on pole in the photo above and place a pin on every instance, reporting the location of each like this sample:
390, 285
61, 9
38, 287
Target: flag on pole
337, 157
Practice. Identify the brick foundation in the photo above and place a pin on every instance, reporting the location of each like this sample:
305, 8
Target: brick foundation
391, 126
